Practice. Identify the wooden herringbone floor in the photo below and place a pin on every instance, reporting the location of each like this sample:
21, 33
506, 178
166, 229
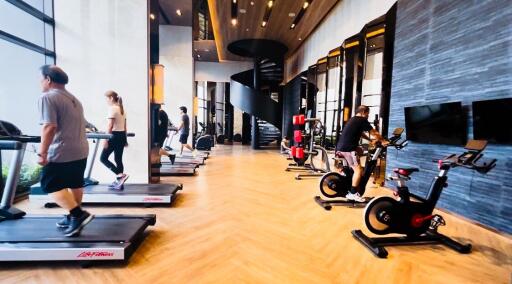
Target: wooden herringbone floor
243, 219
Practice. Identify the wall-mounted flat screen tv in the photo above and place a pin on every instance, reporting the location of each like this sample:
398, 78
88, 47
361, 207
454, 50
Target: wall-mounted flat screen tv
436, 124
491, 121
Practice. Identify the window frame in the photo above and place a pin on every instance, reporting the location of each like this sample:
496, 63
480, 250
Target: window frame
39, 15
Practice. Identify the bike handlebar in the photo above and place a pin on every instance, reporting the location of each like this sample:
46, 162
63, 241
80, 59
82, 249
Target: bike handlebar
468, 160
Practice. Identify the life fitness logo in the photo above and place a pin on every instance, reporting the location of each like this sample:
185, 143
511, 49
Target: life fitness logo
93, 254
152, 199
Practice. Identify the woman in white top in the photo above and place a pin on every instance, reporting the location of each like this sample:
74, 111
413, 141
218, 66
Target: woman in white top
117, 127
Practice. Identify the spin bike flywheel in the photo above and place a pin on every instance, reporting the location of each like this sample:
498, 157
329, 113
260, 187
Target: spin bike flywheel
380, 215
333, 185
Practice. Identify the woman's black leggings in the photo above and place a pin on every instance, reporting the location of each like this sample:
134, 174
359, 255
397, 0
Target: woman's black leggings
115, 144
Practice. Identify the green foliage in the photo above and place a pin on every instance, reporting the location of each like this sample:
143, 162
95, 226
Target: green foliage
29, 176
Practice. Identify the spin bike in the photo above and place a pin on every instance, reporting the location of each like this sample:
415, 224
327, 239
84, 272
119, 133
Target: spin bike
415, 219
334, 184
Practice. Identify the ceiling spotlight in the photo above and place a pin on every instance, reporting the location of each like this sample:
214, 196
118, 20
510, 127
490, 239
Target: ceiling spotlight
246, 30
243, 11
300, 38
178, 12
152, 16
270, 3
291, 15
252, 3
206, 50
263, 24
198, 56
300, 14
234, 12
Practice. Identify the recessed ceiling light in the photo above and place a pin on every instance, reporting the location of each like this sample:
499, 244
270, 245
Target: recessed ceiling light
198, 56
292, 26
263, 24
152, 16
291, 15
306, 5
270, 3
178, 12
207, 50
246, 30
243, 11
300, 38
252, 3
234, 22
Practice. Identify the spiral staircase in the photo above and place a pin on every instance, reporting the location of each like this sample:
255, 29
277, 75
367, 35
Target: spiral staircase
257, 91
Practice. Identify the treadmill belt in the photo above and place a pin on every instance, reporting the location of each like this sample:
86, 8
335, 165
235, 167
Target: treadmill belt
130, 188
101, 229
172, 171
183, 161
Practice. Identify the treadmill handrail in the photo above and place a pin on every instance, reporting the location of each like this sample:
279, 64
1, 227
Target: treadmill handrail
10, 145
103, 135
21, 138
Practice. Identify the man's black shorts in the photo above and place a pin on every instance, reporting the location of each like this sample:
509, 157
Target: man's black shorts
183, 138
57, 176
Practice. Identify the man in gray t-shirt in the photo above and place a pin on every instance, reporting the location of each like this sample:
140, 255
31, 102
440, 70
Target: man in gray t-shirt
60, 108
64, 148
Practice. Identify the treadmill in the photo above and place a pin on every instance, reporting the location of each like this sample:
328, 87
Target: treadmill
173, 170
36, 238
96, 193
171, 132
180, 161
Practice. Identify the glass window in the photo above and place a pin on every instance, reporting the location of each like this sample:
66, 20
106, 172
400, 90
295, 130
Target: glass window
38, 4
19, 86
372, 82
48, 7
21, 24
20, 81
332, 100
45, 6
320, 97
48, 37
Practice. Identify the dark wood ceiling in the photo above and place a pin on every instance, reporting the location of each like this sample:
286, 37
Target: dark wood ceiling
278, 26
168, 12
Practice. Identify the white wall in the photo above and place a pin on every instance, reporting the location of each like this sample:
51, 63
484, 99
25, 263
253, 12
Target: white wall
103, 45
346, 19
219, 71
176, 56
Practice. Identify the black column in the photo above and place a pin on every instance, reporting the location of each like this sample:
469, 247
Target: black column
228, 114
254, 120
387, 71
361, 61
246, 128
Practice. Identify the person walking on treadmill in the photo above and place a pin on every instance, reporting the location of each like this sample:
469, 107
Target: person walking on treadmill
348, 146
64, 149
184, 130
117, 127
162, 133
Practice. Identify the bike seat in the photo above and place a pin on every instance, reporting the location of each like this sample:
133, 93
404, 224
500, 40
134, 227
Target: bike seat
406, 171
